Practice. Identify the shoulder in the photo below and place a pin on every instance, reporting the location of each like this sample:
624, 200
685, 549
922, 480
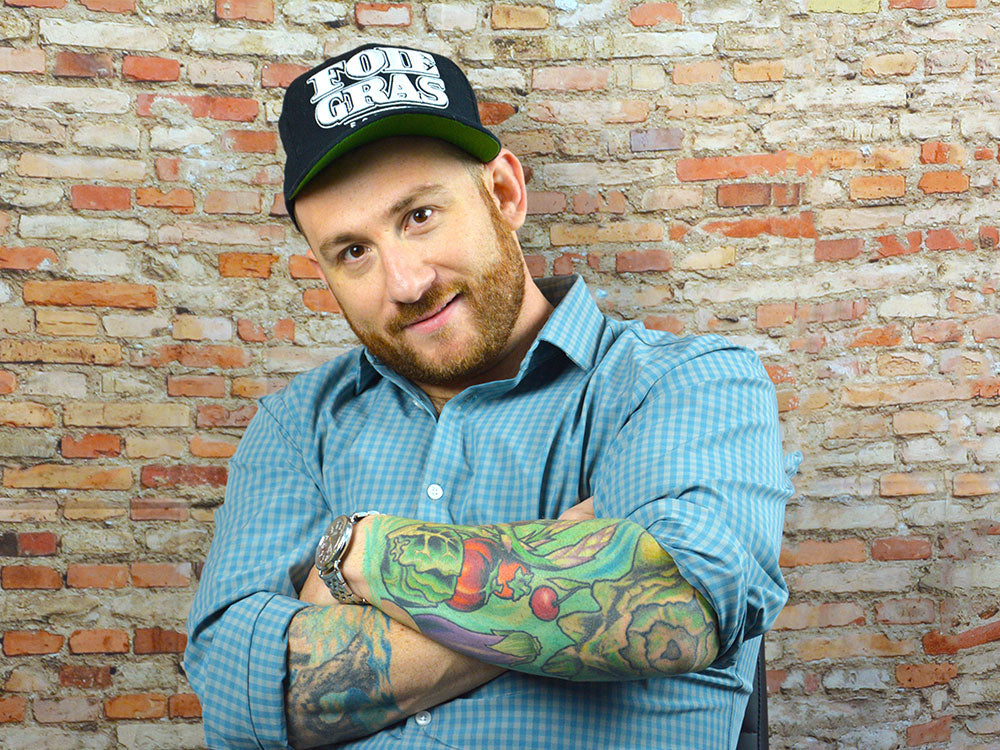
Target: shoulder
639, 359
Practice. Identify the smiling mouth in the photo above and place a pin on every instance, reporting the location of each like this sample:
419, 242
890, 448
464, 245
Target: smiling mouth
433, 313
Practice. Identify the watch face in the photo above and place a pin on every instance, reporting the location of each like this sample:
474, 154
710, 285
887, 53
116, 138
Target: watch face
332, 543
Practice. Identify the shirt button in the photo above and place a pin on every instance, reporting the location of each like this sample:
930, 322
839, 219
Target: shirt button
423, 718
434, 492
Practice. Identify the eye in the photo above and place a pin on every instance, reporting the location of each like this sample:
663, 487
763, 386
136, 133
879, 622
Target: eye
354, 252
420, 215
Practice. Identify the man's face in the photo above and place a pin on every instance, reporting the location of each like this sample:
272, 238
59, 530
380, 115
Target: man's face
426, 270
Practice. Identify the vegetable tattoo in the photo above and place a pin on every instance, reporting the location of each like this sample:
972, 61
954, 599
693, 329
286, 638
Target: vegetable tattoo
580, 600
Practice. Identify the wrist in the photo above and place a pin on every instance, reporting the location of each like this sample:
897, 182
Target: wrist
352, 564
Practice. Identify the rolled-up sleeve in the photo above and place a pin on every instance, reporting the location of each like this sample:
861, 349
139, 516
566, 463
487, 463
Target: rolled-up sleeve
699, 464
265, 535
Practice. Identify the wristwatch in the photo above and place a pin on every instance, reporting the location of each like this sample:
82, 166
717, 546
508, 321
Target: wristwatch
330, 553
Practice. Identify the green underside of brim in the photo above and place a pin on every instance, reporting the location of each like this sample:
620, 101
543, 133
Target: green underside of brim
475, 142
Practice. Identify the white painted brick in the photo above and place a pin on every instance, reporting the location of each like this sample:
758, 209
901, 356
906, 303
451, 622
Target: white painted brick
123, 384
32, 130
196, 327
107, 135
87, 99
52, 738
579, 14
920, 305
76, 227
103, 34
14, 24
452, 16
219, 41
808, 131
850, 219
925, 124
666, 197
597, 175
949, 575
158, 736
176, 8
304, 12
165, 138
30, 445
861, 678
932, 216
55, 383
708, 137
16, 319
824, 514
496, 78
221, 73
980, 123
835, 579
5, 293
135, 326
30, 196
935, 512
80, 167
723, 12
101, 541
297, 359
93, 262
648, 77
662, 44
928, 449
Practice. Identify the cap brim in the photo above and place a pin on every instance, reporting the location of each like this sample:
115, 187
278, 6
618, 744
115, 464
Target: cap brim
471, 139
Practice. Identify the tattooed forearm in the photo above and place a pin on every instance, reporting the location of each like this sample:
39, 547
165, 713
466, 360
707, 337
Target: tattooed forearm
578, 600
338, 673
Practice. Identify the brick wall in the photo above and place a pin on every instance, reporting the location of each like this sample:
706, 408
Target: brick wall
817, 180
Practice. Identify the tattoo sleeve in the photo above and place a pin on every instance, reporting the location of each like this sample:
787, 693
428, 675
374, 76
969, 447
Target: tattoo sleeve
338, 675
578, 600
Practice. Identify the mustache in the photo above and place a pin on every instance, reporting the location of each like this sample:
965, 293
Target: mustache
432, 300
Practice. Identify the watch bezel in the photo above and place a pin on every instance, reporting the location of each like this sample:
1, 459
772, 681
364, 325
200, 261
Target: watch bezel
333, 543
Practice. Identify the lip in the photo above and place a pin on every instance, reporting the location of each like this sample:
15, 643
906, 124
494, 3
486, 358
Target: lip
436, 319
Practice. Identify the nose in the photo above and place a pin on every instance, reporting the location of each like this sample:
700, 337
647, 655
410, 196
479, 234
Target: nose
407, 275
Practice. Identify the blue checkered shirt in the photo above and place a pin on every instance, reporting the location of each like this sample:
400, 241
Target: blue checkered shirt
679, 435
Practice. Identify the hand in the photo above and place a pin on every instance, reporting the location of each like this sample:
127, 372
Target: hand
315, 591
580, 512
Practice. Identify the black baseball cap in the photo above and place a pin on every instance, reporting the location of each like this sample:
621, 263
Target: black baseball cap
371, 92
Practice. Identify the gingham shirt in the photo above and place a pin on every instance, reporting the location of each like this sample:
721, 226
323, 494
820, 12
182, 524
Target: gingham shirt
679, 435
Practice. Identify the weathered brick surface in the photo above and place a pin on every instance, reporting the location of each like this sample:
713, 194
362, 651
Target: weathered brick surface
816, 180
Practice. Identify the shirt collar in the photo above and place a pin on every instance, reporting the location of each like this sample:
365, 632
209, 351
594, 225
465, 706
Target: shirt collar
575, 327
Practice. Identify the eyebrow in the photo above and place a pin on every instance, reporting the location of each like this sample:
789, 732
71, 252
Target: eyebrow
403, 204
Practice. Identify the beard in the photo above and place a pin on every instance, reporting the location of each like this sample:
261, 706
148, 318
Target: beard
494, 297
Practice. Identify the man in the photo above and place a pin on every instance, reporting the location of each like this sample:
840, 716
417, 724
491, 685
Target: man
550, 529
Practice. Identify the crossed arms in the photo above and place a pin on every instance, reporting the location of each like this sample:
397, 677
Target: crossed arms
577, 598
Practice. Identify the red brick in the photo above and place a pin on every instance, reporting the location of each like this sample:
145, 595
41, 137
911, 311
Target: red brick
989, 238
11, 709
638, 261
877, 187
382, 14
110, 6
247, 330
183, 476
493, 113
160, 575
743, 194
249, 10
26, 258
204, 386
206, 448
904, 484
570, 78
503, 16
216, 107
815, 552
938, 730
184, 706
100, 198
651, 14
912, 4
81, 676
168, 169
250, 141
150, 68
178, 200
934, 152
890, 245
925, 675
8, 381
901, 548
159, 641
890, 335
255, 388
36, 3
944, 182
30, 577
37, 543
732, 167
780, 226
79, 576
278, 207
303, 267
775, 314
246, 265
937, 332
157, 509
232, 202
320, 300
194, 355
219, 416
279, 75
100, 641
92, 445
89, 294
136, 706
27, 60
944, 239
31, 642
826, 615
845, 249
83, 65
283, 330
687, 74
936, 643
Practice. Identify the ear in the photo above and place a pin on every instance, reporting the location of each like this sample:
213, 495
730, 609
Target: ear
504, 179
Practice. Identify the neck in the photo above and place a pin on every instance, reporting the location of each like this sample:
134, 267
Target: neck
535, 310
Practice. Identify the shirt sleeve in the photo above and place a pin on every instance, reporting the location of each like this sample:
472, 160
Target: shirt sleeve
699, 464
265, 536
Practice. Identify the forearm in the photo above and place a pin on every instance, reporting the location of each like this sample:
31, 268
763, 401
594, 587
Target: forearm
352, 671
580, 600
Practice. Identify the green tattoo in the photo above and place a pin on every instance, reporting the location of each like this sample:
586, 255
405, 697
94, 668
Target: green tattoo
338, 675
578, 600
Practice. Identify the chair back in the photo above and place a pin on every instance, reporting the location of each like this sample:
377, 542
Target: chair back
753, 733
